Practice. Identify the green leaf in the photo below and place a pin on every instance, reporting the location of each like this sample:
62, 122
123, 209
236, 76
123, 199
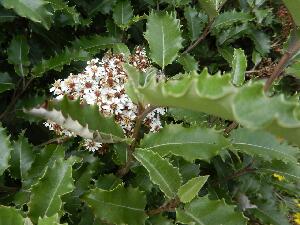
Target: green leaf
121, 48
60, 5
52, 220
5, 150
293, 7
58, 61
108, 182
263, 144
290, 171
82, 119
161, 171
188, 116
119, 206
294, 69
215, 95
195, 22
233, 33
228, 18
43, 160
261, 41
122, 13
10, 216
203, 211
7, 15
6, 82
164, 37
22, 157
239, 66
94, 43
35, 10
212, 7
190, 143
190, 189
46, 195
227, 53
188, 62
18, 55
104, 6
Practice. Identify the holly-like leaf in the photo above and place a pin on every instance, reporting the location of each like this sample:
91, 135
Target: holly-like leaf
35, 10
5, 82
190, 189
161, 171
239, 66
195, 21
58, 61
52, 220
82, 119
212, 7
261, 41
188, 62
46, 195
203, 211
190, 143
122, 13
61, 5
294, 69
10, 216
263, 144
233, 33
216, 95
5, 150
293, 7
22, 157
119, 206
18, 55
164, 37
104, 6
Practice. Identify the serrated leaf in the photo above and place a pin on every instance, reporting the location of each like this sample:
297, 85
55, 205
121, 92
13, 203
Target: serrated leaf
122, 13
290, 171
188, 116
6, 82
94, 43
52, 220
58, 61
294, 69
263, 144
119, 206
232, 33
22, 157
215, 95
261, 41
188, 62
293, 7
161, 171
203, 211
43, 160
82, 119
104, 6
60, 5
35, 10
195, 21
190, 189
10, 216
212, 7
239, 66
46, 195
164, 37
108, 182
18, 55
273, 217
7, 15
159, 220
190, 143
5, 150
228, 18
121, 48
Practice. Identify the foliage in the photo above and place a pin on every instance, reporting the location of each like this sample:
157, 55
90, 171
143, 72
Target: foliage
226, 151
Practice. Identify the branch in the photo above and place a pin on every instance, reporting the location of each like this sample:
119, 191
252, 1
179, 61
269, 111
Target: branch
167, 207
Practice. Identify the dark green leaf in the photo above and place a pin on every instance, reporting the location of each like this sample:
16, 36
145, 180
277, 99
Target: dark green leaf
5, 150
239, 66
6, 82
10, 216
122, 13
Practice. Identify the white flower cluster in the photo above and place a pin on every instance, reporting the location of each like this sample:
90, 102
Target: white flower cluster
103, 83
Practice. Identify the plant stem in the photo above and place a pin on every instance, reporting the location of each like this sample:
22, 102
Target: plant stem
167, 207
136, 136
231, 127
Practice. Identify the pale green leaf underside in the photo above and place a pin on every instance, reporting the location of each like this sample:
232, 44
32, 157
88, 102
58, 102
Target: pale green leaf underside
216, 95
190, 143
164, 37
161, 171
203, 211
119, 206
190, 189
239, 66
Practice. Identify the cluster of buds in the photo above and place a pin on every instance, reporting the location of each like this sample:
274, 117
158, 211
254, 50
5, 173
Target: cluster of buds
103, 83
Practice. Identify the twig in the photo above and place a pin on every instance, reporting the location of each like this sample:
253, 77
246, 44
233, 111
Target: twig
231, 127
53, 140
136, 136
167, 207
